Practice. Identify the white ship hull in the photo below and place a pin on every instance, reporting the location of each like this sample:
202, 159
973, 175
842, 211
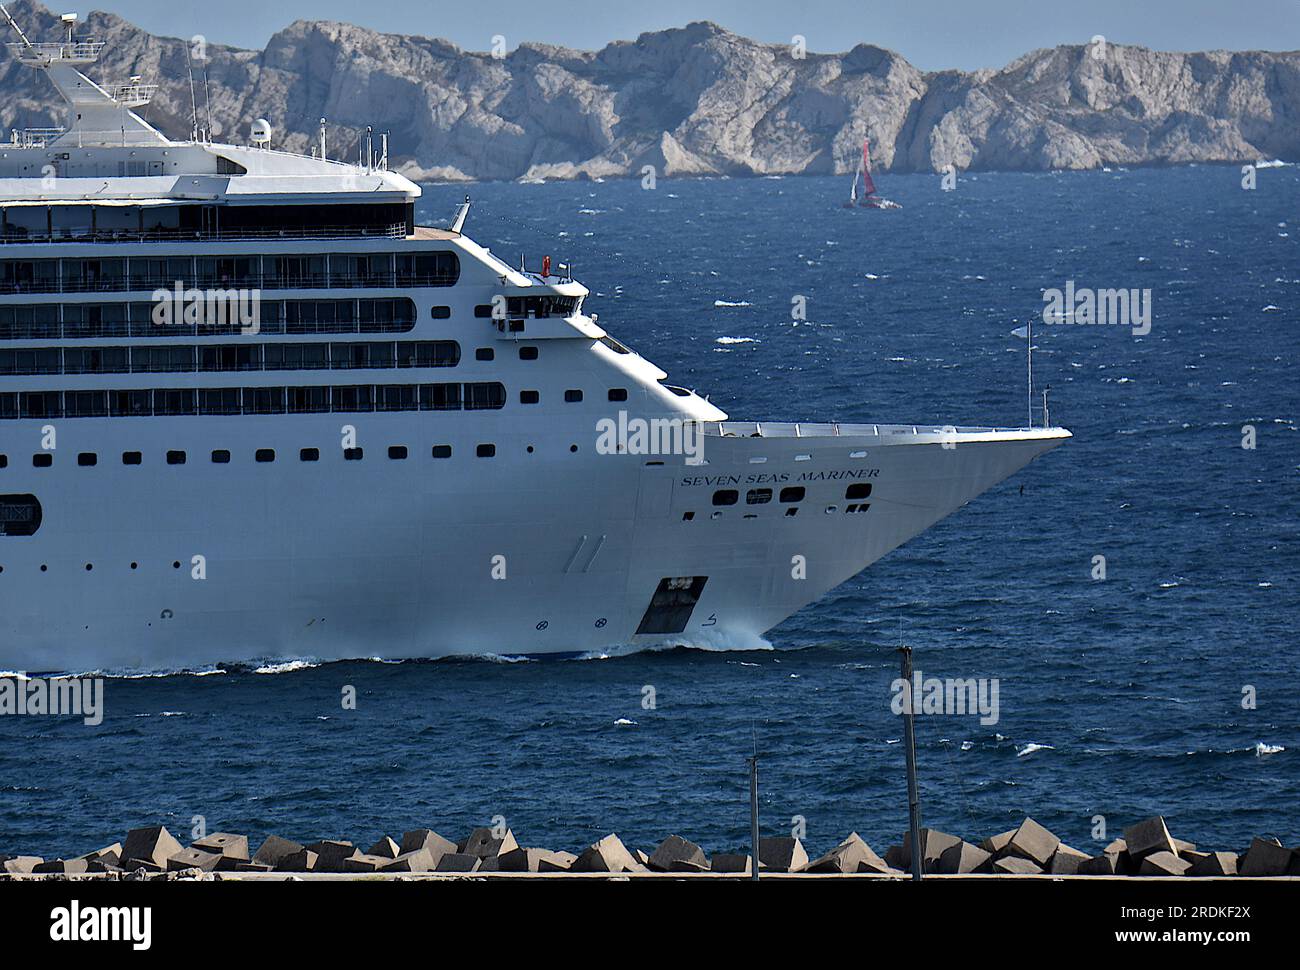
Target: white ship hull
398, 559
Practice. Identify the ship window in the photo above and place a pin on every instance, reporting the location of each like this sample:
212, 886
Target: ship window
221, 457
485, 396
860, 490
87, 459
4, 461
792, 510
758, 496
483, 311
131, 458
353, 454
309, 454
440, 312
726, 496
794, 493
175, 457
442, 451
486, 451
688, 516
618, 393
264, 454
20, 515
484, 353
572, 396
43, 460
527, 353
428, 269
397, 452
529, 397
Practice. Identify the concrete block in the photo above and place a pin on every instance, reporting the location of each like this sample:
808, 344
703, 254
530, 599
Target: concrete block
996, 845
234, 847
1163, 864
686, 866
1213, 864
894, 857
418, 861
849, 856
1014, 865
331, 854
1265, 857
933, 845
385, 847
1182, 847
1033, 842
276, 850
607, 855
1105, 864
304, 860
556, 862
962, 858
152, 846
429, 840
362, 862
193, 859
676, 849
782, 854
459, 862
731, 862
1294, 868
1066, 861
253, 867
21, 865
64, 867
110, 855
1147, 837
484, 843
640, 857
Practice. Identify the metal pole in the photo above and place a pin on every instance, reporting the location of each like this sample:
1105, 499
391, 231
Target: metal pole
753, 812
909, 735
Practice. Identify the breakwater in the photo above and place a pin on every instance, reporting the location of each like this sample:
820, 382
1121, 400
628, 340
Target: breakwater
1146, 849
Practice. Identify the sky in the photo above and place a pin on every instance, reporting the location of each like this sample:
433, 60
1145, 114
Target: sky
932, 34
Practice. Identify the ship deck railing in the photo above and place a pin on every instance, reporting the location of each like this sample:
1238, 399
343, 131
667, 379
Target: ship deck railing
268, 281
780, 429
394, 231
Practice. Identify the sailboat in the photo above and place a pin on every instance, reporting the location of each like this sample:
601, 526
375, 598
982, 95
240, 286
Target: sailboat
869, 198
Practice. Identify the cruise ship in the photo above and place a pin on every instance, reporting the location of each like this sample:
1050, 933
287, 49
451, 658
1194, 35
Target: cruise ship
249, 410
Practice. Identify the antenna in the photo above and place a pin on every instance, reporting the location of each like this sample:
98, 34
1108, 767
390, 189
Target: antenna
194, 105
322, 139
1029, 363
14, 24
207, 98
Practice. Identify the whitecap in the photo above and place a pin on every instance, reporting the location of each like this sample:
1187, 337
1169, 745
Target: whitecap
735, 340
1262, 749
721, 303
1031, 747
624, 722
286, 667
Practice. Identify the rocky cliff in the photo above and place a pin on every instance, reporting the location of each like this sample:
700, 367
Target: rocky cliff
695, 100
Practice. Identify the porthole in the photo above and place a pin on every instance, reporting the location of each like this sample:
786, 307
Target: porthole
131, 458
758, 496
175, 457
572, 396
793, 493
726, 496
484, 353
87, 459
221, 457
353, 454
264, 455
397, 452
43, 460
486, 451
618, 393
858, 490
529, 397
309, 454
527, 353
440, 312
442, 451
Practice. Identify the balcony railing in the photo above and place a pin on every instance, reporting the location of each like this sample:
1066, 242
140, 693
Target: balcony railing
396, 230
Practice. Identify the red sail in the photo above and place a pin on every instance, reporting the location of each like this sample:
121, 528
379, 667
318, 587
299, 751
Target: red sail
869, 187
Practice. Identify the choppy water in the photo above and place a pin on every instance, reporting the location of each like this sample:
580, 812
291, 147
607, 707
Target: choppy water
1119, 698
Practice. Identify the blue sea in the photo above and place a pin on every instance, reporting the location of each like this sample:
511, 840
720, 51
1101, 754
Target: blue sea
1119, 697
